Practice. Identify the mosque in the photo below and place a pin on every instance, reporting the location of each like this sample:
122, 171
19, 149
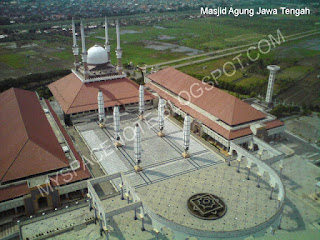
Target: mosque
219, 115
77, 92
239, 130
206, 180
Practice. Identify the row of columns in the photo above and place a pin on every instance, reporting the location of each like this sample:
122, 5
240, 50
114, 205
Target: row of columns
259, 175
137, 134
126, 197
99, 218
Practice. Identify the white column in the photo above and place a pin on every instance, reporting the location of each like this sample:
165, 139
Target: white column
141, 102
101, 111
161, 117
230, 151
186, 136
116, 122
239, 162
137, 148
250, 145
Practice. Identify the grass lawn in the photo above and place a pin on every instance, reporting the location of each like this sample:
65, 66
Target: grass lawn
29, 53
294, 73
206, 68
65, 55
14, 60
252, 79
238, 74
241, 96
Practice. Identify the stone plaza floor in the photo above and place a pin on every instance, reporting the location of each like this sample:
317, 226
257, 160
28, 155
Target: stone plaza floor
161, 157
168, 180
57, 223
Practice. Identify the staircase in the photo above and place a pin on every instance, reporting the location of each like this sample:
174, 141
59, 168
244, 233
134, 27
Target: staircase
9, 231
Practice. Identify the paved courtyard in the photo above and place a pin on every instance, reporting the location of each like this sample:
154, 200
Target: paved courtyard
58, 223
247, 205
161, 157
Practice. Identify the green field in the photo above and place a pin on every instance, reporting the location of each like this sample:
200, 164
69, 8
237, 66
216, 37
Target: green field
200, 35
14, 60
253, 79
294, 73
297, 72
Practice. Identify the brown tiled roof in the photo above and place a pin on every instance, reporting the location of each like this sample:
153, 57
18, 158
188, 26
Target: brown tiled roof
14, 191
65, 178
28, 143
75, 96
208, 122
220, 104
274, 124
79, 174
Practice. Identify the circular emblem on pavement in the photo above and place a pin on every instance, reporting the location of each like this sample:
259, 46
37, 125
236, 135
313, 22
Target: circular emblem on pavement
206, 206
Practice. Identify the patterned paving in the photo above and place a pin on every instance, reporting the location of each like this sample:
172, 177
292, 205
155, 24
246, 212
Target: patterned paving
247, 205
161, 157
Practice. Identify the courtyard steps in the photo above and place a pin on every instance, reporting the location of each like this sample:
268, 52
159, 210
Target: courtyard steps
8, 231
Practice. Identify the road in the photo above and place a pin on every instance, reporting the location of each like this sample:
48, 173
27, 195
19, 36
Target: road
243, 48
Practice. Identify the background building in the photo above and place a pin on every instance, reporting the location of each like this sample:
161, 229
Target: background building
221, 116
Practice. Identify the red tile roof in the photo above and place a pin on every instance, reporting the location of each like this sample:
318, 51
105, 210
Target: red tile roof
75, 96
28, 143
227, 134
64, 179
274, 124
220, 104
79, 174
14, 191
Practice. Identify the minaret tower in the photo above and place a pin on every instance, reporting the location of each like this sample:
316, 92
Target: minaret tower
273, 69
75, 47
107, 43
84, 53
118, 50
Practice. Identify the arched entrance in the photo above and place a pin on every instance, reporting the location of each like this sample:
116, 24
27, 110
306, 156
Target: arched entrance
234, 153
43, 203
196, 129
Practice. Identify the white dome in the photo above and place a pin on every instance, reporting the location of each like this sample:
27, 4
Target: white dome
97, 55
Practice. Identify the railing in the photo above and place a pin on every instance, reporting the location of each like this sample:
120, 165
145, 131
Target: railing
160, 221
96, 79
262, 168
210, 234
